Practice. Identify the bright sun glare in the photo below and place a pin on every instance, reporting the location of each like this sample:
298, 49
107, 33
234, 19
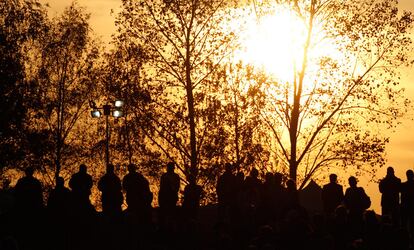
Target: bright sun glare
275, 43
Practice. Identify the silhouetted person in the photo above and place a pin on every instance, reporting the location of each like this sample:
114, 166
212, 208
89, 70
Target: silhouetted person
392, 237
390, 200
319, 236
332, 195
138, 194
340, 228
252, 187
239, 180
59, 197
168, 193
267, 200
58, 206
192, 196
235, 211
251, 198
407, 203
28, 192
292, 196
372, 230
110, 186
82, 214
7, 199
225, 189
296, 219
29, 221
81, 184
356, 201
280, 196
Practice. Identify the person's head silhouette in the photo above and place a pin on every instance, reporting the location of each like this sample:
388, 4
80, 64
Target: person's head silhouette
192, 180
278, 178
170, 167
240, 175
269, 177
6, 183
341, 212
132, 168
290, 185
352, 181
29, 171
228, 167
254, 173
410, 175
333, 178
60, 182
110, 169
82, 169
390, 171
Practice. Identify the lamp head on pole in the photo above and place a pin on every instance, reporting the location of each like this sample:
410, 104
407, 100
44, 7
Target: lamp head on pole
117, 113
96, 113
119, 103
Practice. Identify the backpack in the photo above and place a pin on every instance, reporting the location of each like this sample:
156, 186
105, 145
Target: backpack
365, 200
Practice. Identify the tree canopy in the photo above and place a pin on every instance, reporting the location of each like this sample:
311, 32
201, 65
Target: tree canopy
333, 110
188, 98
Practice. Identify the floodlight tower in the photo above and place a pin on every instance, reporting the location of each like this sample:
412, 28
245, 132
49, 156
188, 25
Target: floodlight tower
114, 110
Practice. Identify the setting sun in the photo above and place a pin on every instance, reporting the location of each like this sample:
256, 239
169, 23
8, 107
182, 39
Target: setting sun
275, 43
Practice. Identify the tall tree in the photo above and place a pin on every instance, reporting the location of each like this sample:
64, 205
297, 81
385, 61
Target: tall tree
184, 43
248, 141
334, 109
66, 78
22, 23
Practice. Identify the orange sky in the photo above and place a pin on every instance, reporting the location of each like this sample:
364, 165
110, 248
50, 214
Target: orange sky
400, 150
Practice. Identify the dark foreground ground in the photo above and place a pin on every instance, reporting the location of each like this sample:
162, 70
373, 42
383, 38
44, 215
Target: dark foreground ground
298, 229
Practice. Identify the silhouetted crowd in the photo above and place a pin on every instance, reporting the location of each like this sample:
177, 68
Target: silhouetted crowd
251, 213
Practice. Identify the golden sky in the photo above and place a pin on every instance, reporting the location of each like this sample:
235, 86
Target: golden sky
400, 150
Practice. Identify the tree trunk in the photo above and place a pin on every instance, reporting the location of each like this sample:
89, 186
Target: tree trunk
293, 131
191, 114
237, 132
193, 142
295, 114
59, 130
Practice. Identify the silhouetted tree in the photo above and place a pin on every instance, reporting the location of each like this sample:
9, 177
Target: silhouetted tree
247, 136
183, 44
122, 79
66, 77
22, 23
325, 113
